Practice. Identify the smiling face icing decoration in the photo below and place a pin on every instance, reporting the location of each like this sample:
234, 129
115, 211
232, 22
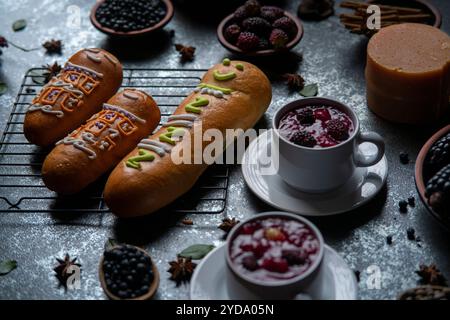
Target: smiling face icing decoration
100, 132
70, 86
179, 123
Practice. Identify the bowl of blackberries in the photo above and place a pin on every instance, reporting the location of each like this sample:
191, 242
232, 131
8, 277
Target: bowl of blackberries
128, 273
257, 30
432, 175
131, 17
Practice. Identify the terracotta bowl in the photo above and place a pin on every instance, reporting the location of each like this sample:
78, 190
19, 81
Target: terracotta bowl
146, 31
226, 21
419, 175
436, 19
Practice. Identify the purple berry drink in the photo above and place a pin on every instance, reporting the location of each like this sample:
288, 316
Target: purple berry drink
316, 126
274, 248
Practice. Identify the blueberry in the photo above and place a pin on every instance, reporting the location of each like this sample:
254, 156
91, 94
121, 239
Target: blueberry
123, 285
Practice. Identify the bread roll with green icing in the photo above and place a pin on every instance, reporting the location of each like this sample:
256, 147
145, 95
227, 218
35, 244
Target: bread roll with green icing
97, 146
89, 78
231, 95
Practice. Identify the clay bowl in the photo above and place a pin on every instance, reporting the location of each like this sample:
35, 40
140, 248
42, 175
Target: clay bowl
136, 33
436, 19
152, 286
231, 47
419, 175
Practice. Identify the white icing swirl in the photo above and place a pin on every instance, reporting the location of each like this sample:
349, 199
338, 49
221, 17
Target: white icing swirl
46, 109
85, 69
93, 57
180, 123
80, 145
126, 113
130, 95
212, 92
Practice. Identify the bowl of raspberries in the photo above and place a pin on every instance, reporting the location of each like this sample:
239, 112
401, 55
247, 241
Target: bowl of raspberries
432, 175
259, 30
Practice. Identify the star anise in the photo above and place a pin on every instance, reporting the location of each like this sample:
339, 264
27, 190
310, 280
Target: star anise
431, 275
294, 81
53, 46
187, 53
228, 224
181, 270
51, 71
61, 269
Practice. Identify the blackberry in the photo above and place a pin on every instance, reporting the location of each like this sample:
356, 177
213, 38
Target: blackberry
439, 154
438, 190
278, 38
232, 33
264, 44
294, 257
303, 138
250, 263
253, 7
337, 130
286, 24
240, 14
306, 117
271, 13
257, 25
247, 41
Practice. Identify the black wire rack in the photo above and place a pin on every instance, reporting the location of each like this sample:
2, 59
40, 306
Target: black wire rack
21, 186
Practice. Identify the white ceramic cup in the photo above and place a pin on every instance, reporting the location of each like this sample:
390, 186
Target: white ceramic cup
318, 170
243, 287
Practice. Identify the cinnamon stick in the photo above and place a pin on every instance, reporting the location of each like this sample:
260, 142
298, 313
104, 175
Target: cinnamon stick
355, 5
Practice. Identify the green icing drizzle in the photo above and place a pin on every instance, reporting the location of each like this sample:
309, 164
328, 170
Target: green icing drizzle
226, 62
224, 76
144, 155
199, 102
171, 131
240, 67
207, 85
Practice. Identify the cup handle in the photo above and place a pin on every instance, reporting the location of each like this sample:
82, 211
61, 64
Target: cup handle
363, 160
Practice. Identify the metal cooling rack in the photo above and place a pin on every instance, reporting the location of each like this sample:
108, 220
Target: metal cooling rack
21, 186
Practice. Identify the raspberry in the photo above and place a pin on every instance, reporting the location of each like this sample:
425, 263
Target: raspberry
322, 114
256, 25
248, 41
232, 33
250, 263
302, 138
306, 117
278, 38
271, 13
438, 190
276, 265
274, 234
287, 25
294, 257
260, 249
337, 130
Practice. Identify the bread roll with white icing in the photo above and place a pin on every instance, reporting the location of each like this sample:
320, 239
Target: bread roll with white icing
232, 95
98, 145
89, 78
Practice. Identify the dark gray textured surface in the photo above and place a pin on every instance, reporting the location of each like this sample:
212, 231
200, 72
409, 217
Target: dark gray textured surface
332, 57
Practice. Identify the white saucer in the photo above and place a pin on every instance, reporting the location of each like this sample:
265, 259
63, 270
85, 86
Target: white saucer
360, 188
335, 281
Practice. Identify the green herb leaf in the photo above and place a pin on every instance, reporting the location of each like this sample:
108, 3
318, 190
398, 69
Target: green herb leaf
38, 77
19, 25
3, 88
310, 90
7, 266
196, 251
110, 243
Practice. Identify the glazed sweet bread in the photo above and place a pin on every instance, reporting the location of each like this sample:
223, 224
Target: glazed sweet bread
89, 78
232, 95
99, 144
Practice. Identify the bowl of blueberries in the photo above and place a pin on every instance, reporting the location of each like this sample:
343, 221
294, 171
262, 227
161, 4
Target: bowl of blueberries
131, 17
432, 175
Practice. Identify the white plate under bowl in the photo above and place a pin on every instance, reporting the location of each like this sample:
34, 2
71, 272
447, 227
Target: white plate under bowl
335, 280
359, 189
